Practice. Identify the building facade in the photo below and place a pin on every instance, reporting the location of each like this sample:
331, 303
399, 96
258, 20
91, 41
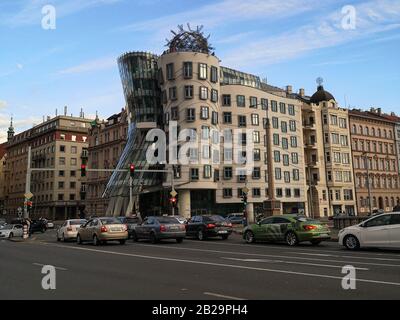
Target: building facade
107, 141
375, 155
57, 144
3, 156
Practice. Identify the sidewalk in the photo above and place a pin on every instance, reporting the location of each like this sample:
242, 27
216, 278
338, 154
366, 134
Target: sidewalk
238, 229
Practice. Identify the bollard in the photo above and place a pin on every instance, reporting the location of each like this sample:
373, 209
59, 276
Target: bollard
25, 236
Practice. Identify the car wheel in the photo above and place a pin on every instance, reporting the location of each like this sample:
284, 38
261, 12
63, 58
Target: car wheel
249, 237
351, 242
315, 242
122, 242
58, 238
63, 238
225, 237
153, 238
10, 235
200, 235
179, 240
78, 239
95, 241
291, 239
134, 237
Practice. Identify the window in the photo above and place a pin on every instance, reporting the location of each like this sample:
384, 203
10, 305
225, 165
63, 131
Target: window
284, 126
227, 192
191, 114
253, 102
282, 107
60, 185
264, 104
347, 176
228, 173
256, 137
288, 193
278, 174
188, 92
256, 173
60, 197
204, 113
285, 159
343, 123
242, 121
228, 154
277, 156
73, 161
337, 157
214, 95
344, 141
379, 221
170, 71
325, 119
346, 158
61, 161
286, 176
72, 197
62, 148
276, 139
241, 101
226, 100
292, 125
72, 185
274, 106
256, 192
205, 132
61, 173
338, 176
256, 155
203, 93
335, 138
338, 195
73, 173
295, 158
279, 193
293, 142
206, 152
275, 122
187, 70
297, 193
296, 174
174, 113
214, 74
285, 143
214, 117
202, 71
291, 110
255, 119
74, 150
227, 117
334, 120
194, 174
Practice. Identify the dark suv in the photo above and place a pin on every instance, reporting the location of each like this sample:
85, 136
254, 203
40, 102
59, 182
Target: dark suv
38, 226
206, 226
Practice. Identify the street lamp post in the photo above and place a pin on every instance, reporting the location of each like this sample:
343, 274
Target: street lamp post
364, 155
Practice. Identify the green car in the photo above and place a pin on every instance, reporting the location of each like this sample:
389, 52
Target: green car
290, 228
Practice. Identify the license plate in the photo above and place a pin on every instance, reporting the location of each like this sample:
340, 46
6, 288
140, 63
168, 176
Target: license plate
324, 235
223, 231
115, 229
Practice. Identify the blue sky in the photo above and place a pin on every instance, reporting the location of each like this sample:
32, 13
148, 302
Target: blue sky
288, 42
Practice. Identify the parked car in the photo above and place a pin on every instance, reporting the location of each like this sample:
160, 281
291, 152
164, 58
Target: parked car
235, 218
289, 228
49, 224
208, 226
181, 219
381, 231
38, 226
130, 222
102, 230
12, 230
158, 228
69, 229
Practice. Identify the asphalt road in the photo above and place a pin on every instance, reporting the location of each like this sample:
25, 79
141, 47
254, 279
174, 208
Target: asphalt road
214, 269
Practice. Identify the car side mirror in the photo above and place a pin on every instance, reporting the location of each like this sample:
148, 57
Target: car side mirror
259, 223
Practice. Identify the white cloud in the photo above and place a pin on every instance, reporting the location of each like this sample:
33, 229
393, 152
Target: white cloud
373, 17
30, 10
19, 124
90, 66
3, 104
20, 66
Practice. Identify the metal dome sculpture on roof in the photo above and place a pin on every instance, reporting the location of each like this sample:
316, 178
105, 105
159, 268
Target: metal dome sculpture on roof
189, 40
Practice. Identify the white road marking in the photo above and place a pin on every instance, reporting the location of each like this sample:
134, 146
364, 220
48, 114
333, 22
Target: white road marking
233, 266
272, 255
222, 296
293, 262
42, 265
312, 254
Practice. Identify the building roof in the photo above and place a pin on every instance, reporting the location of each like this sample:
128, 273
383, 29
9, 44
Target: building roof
375, 114
321, 95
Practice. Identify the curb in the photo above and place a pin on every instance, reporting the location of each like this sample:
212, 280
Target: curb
22, 240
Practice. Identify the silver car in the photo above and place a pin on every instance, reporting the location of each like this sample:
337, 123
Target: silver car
12, 230
102, 230
69, 229
158, 228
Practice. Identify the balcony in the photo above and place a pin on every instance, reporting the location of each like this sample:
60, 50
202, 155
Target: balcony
85, 154
309, 125
310, 145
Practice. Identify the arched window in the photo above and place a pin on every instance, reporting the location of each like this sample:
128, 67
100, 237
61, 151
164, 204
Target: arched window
366, 131
362, 202
373, 132
361, 129
379, 133
354, 129
374, 204
386, 201
392, 204
385, 133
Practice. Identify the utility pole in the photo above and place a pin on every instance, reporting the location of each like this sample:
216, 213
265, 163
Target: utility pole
310, 185
27, 183
368, 182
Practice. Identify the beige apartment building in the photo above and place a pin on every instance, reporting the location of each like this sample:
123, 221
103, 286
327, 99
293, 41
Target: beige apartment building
215, 102
3, 155
374, 153
107, 140
60, 144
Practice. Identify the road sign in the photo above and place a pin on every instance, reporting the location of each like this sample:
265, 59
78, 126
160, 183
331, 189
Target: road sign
28, 195
245, 190
173, 193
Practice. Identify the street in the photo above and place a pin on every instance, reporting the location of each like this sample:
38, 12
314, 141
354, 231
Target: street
212, 269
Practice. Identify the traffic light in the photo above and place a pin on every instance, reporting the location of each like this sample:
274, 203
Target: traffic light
244, 199
132, 170
29, 206
83, 170
173, 201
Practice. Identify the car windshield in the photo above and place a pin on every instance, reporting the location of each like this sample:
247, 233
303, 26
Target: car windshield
167, 220
214, 218
7, 227
77, 222
106, 221
308, 220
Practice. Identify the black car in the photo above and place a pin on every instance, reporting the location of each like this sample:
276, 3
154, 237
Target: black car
38, 226
207, 226
130, 222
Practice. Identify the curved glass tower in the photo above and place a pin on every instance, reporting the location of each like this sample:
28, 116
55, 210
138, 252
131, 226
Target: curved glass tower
139, 76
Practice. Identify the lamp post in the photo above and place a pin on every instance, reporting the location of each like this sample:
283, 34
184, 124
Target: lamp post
364, 155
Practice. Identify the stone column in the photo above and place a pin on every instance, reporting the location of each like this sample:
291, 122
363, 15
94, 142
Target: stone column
184, 203
250, 213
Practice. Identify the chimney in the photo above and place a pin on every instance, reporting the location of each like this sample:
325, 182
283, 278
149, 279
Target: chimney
56, 112
379, 111
289, 89
393, 114
65, 110
373, 110
302, 92
43, 119
48, 118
